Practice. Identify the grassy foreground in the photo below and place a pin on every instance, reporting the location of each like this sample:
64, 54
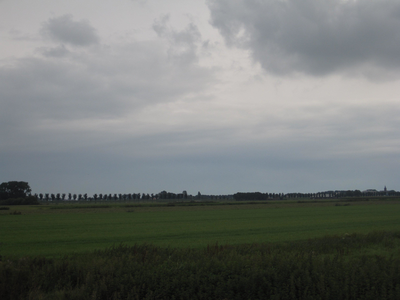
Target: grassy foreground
336, 267
58, 230
285, 250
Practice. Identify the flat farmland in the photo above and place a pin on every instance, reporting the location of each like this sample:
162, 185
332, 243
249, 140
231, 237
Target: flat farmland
52, 230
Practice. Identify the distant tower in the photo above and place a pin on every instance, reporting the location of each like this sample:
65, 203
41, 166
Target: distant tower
385, 190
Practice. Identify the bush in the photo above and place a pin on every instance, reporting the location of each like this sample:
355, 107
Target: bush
30, 200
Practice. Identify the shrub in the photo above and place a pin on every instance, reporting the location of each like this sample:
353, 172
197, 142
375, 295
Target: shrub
30, 200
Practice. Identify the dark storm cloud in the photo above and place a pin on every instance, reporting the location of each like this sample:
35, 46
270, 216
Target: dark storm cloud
313, 36
64, 29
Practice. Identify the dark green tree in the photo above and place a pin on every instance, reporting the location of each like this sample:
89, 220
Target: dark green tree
14, 189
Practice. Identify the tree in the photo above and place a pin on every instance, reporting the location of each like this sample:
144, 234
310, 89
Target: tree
163, 195
14, 189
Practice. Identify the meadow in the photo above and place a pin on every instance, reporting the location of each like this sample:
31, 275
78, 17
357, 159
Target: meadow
52, 230
270, 250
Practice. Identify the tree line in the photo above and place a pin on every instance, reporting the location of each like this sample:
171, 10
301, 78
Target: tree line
105, 197
21, 190
320, 195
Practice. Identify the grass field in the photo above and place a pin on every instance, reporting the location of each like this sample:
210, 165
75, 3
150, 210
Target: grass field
56, 230
275, 250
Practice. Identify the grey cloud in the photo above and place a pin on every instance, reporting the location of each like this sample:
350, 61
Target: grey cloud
183, 44
59, 51
20, 36
312, 36
64, 29
51, 94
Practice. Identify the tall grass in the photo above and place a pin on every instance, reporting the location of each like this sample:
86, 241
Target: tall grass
333, 267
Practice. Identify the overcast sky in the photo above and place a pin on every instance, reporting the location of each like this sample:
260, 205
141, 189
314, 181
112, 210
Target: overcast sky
216, 96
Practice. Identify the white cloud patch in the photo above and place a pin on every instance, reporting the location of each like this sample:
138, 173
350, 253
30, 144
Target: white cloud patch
65, 30
314, 37
183, 45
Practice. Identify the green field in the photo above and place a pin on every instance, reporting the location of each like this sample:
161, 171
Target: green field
274, 250
56, 230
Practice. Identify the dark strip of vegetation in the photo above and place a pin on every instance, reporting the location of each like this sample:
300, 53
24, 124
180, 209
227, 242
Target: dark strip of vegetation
327, 268
192, 203
253, 196
64, 205
144, 204
80, 206
30, 200
4, 208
